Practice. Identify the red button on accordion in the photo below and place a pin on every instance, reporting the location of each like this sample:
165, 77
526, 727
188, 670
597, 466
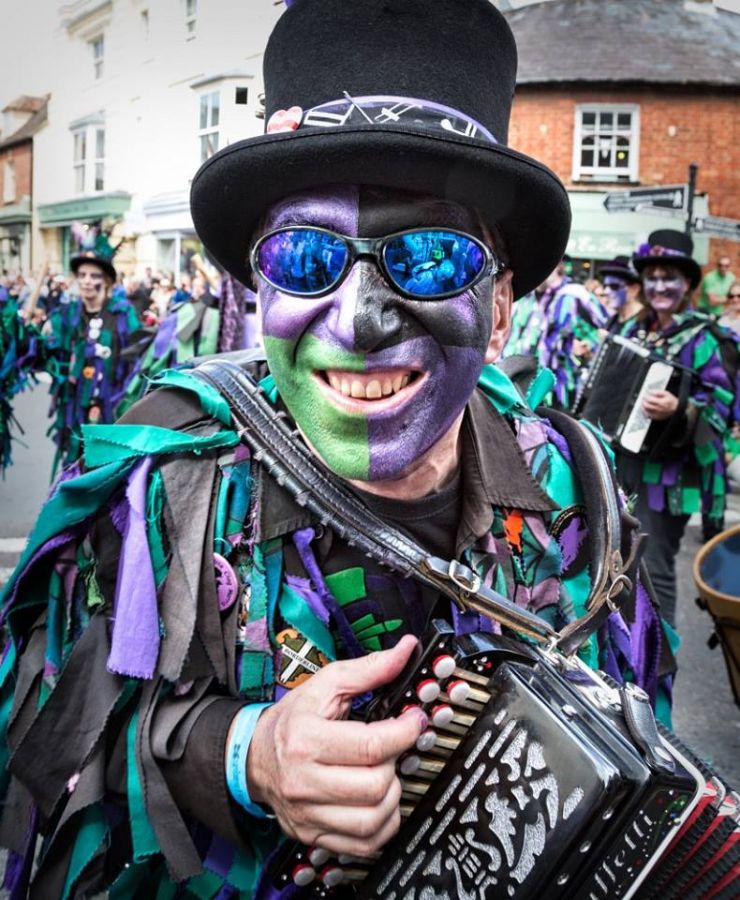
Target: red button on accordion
537, 778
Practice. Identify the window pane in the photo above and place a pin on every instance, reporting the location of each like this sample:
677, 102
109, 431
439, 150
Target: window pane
589, 118
204, 111
80, 151
215, 109
79, 179
100, 143
624, 120
191, 8
99, 176
587, 158
606, 119
622, 160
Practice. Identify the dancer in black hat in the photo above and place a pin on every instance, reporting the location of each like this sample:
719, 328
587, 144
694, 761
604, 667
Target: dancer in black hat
193, 632
623, 287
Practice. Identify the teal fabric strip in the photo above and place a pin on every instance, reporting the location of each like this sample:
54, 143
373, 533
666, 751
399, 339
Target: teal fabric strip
142, 834
209, 398
499, 389
90, 836
296, 612
105, 444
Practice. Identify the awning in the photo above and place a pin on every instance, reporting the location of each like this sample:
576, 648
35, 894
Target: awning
84, 209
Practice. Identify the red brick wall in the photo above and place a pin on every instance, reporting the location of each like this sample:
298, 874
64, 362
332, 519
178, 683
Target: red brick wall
707, 132
22, 155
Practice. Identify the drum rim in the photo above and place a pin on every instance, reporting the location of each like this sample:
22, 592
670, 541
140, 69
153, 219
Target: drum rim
701, 554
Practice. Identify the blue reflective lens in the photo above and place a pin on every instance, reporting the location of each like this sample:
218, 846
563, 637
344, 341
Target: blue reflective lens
303, 260
429, 263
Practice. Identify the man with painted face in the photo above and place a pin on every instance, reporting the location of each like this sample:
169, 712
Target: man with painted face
622, 288
688, 475
85, 336
193, 632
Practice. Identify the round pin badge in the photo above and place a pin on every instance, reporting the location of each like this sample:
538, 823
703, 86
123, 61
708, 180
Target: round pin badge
227, 585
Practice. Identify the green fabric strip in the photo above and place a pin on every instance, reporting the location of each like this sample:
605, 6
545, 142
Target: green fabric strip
499, 389
90, 836
297, 613
690, 500
377, 628
244, 872
205, 886
155, 539
209, 398
142, 834
347, 586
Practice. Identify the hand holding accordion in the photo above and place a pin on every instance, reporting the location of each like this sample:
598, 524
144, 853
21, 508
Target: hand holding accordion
536, 778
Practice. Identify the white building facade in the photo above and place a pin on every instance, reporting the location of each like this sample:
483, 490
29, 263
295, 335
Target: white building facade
142, 92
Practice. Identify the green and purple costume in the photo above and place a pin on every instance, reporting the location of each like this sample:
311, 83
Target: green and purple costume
89, 372
163, 577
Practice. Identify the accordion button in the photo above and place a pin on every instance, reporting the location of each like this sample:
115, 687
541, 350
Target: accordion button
303, 875
332, 876
458, 691
444, 666
409, 764
428, 690
426, 740
318, 856
442, 715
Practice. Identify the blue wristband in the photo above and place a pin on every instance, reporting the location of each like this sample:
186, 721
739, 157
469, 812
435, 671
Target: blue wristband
245, 722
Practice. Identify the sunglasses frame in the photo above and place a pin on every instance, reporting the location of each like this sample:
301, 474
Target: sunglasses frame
373, 247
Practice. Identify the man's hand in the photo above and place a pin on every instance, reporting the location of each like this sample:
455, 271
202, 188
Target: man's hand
660, 405
581, 349
332, 783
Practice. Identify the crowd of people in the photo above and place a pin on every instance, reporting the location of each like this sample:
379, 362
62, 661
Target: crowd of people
102, 337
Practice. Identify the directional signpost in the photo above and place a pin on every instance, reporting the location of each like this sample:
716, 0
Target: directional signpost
717, 226
671, 197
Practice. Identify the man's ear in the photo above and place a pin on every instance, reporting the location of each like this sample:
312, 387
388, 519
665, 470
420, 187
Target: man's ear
503, 297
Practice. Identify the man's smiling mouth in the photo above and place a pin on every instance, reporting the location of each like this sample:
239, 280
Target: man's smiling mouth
381, 389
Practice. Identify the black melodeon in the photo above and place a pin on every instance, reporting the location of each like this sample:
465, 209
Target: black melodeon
621, 375
537, 777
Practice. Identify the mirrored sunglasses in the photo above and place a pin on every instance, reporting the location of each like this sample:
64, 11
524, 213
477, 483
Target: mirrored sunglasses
421, 264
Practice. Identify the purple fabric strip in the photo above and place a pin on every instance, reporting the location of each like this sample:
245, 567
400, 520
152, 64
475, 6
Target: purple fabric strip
647, 640
302, 587
164, 336
135, 641
302, 540
220, 856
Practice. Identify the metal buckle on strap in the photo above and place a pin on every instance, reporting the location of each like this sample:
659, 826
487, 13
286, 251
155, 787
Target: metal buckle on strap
465, 578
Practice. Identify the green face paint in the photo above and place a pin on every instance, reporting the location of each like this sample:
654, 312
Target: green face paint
339, 437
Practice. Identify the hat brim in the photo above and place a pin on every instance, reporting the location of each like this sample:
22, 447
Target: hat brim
619, 272
519, 195
688, 266
102, 264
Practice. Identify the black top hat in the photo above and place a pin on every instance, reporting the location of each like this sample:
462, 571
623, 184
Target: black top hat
672, 248
94, 259
621, 267
408, 94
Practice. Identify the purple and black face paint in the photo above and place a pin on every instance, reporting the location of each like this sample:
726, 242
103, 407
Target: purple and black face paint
665, 287
374, 379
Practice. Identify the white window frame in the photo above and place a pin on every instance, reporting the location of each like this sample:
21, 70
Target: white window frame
611, 172
10, 183
191, 18
207, 131
97, 46
88, 158
79, 158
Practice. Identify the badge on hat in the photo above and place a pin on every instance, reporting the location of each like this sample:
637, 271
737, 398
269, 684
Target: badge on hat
299, 658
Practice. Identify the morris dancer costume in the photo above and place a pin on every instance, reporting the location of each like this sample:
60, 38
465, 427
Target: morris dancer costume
21, 351
173, 595
690, 476
88, 372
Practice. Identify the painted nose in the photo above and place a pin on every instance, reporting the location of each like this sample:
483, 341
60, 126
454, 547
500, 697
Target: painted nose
366, 310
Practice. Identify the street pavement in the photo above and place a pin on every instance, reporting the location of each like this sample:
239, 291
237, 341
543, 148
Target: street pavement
705, 715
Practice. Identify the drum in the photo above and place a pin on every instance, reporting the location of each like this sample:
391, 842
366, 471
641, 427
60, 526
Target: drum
717, 578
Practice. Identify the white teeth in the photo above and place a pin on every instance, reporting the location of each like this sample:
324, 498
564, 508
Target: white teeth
345, 387
387, 388
335, 383
405, 381
358, 390
397, 383
373, 390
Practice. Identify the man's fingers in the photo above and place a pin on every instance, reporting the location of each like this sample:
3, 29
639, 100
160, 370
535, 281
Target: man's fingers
359, 744
352, 677
348, 785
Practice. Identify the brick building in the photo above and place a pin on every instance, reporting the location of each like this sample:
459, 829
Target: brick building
21, 120
620, 95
